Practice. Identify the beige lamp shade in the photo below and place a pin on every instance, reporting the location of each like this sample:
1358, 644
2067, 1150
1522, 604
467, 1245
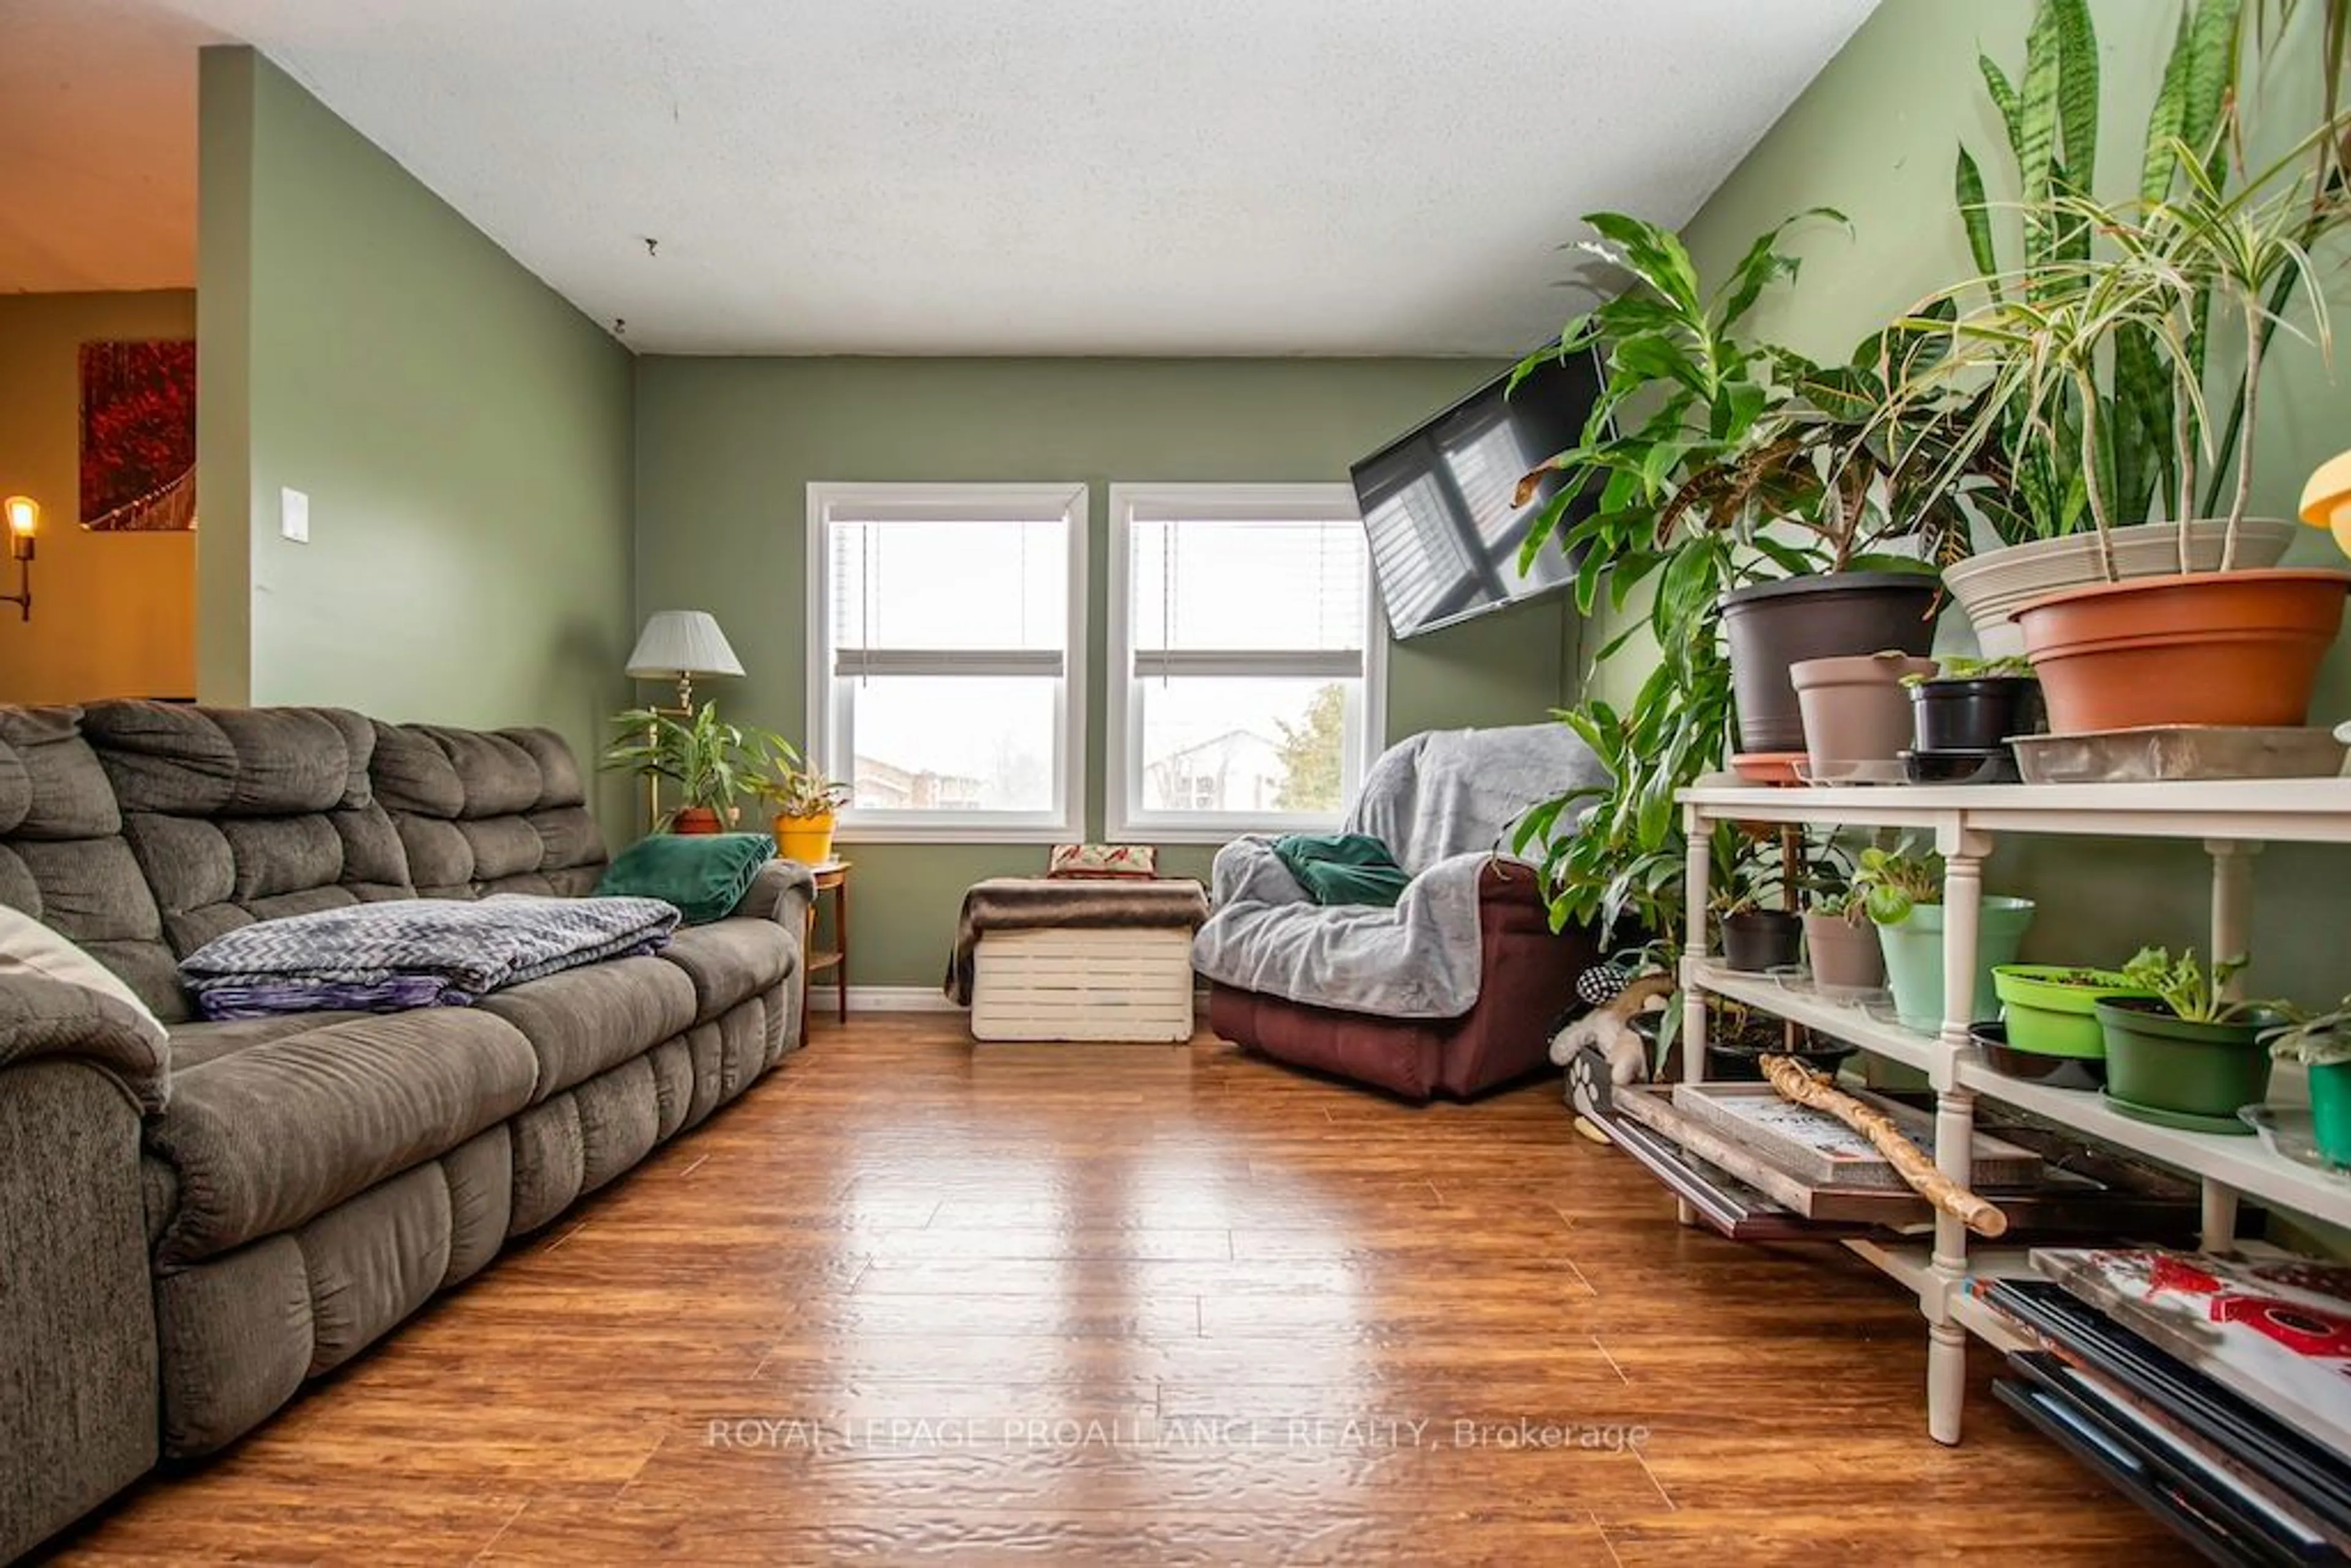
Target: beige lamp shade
2326, 499
682, 643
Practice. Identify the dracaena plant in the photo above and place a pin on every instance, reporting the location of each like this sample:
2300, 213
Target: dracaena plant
1709, 459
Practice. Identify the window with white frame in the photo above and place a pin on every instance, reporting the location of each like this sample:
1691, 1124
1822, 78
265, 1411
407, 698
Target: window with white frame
946, 637
1244, 659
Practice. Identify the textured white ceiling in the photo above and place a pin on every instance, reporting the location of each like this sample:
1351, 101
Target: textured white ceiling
1046, 176
97, 145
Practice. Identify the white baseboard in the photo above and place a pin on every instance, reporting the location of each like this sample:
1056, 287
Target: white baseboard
914, 999
882, 999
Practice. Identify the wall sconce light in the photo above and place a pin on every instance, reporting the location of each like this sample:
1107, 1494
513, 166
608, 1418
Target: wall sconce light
24, 515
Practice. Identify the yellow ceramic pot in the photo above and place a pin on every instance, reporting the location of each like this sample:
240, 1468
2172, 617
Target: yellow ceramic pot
807, 840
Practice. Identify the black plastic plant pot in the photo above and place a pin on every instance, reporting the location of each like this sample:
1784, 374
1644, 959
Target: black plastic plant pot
1757, 940
1772, 625
1976, 714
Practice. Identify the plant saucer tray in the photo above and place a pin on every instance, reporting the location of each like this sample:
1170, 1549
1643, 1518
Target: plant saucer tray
2158, 753
2286, 1132
1885, 770
1769, 769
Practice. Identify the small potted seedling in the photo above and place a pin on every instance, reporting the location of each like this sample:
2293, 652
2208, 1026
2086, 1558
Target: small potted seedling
1902, 894
1757, 935
2323, 1045
1973, 704
1843, 945
2185, 1054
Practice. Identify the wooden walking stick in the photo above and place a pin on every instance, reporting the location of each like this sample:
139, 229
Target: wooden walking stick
1797, 1082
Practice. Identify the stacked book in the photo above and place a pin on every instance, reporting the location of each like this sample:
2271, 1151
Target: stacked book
2214, 1391
1756, 1168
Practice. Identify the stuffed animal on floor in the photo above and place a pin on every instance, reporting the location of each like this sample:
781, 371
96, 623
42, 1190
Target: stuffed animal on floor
1614, 996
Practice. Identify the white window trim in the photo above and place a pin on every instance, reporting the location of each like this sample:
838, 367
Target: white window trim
1066, 822
1123, 753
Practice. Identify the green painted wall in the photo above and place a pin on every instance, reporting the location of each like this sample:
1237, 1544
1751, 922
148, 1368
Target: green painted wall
1875, 136
725, 449
464, 434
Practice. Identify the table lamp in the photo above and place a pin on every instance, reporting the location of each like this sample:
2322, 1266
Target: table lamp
2326, 499
677, 645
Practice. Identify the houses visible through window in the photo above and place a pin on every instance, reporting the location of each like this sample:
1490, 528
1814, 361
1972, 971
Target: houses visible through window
943, 685
1244, 659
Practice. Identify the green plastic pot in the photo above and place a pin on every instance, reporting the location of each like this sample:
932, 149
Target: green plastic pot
1914, 959
2049, 1018
2330, 1109
2159, 1061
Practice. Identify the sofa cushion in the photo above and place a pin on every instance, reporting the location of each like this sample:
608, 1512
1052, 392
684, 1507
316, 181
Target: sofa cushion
481, 811
263, 1138
63, 859
584, 1021
242, 814
197, 1042
731, 961
705, 875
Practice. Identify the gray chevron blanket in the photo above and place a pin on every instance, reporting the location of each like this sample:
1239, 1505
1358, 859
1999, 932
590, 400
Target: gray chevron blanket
415, 953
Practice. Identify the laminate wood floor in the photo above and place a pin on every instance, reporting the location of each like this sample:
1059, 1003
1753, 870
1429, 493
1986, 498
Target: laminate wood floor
911, 1298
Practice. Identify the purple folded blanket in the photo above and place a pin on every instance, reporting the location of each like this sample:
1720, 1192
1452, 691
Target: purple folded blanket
415, 953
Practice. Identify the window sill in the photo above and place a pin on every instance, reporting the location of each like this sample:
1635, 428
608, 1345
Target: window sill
1177, 832
955, 833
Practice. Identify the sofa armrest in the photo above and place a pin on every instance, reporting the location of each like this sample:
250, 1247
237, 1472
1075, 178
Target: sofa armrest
44, 1018
783, 892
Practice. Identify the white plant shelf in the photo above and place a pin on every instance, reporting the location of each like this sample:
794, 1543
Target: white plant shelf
2232, 820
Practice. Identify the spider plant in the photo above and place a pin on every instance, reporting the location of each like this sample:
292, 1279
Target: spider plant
712, 762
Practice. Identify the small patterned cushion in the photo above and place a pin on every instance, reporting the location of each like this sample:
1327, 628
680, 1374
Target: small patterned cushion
1089, 862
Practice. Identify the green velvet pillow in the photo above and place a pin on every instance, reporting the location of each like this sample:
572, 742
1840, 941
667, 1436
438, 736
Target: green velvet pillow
705, 875
1343, 868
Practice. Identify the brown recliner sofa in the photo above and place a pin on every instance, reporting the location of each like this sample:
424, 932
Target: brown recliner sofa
188, 1241
1394, 999
1528, 980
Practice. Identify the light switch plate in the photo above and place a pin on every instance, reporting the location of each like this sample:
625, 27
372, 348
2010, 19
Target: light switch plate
294, 515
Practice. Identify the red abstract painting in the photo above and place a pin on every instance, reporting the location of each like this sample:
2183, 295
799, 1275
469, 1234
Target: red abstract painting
139, 437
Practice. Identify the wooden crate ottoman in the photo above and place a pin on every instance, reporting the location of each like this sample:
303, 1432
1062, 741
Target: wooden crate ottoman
1048, 959
1083, 985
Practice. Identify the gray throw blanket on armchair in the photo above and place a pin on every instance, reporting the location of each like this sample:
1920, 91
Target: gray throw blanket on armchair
1444, 802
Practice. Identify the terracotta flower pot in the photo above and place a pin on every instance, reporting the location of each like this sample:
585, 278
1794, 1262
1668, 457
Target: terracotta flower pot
695, 821
1855, 710
2220, 648
1993, 585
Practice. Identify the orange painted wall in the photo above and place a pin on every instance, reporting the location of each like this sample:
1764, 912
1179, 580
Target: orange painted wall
113, 614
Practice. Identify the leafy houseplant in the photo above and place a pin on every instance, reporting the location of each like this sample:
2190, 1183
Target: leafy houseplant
2186, 1054
2091, 380
1903, 895
713, 763
2323, 1045
806, 803
2105, 400
1736, 473
1736, 436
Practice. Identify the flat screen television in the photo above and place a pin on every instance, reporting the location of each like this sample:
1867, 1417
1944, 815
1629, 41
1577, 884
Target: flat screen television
1437, 503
